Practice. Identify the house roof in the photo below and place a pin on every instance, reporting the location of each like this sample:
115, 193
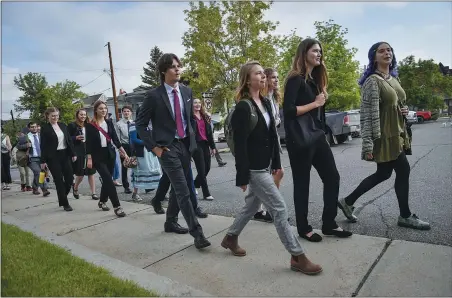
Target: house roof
90, 100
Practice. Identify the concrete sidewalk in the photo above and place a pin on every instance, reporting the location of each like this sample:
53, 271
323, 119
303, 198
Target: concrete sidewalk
136, 248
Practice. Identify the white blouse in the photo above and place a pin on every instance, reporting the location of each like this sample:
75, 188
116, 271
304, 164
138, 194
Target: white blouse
103, 139
60, 135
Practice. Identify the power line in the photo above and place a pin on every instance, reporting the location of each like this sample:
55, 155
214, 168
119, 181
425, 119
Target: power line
67, 71
92, 80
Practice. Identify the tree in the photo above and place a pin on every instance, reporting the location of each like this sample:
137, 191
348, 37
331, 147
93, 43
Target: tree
343, 70
221, 37
151, 77
63, 96
34, 97
38, 96
425, 86
289, 46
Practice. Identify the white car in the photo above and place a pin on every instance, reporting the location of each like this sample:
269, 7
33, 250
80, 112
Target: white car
411, 117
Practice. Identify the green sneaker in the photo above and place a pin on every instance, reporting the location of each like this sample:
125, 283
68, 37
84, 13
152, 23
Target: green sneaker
413, 222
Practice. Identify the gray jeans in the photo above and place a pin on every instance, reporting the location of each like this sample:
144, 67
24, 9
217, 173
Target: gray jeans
35, 167
262, 188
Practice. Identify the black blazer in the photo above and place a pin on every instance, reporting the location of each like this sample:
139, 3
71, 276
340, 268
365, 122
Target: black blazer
157, 108
254, 150
93, 143
209, 133
74, 130
49, 142
299, 92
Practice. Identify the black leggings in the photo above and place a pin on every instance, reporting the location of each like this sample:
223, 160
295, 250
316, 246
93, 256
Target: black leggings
105, 169
301, 161
384, 172
6, 168
202, 161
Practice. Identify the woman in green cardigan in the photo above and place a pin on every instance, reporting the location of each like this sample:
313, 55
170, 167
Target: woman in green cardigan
385, 140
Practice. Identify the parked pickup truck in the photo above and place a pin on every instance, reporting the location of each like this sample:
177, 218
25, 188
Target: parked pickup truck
423, 116
340, 125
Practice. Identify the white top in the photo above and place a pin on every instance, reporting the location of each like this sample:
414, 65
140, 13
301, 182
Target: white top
34, 144
84, 134
60, 135
103, 139
275, 109
267, 118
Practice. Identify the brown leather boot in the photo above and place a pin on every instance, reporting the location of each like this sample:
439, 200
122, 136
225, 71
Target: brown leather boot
302, 264
231, 242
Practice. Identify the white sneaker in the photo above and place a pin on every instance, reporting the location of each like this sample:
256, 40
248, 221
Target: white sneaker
136, 197
209, 198
196, 191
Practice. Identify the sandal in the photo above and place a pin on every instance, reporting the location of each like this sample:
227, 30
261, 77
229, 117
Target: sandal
94, 196
119, 212
75, 192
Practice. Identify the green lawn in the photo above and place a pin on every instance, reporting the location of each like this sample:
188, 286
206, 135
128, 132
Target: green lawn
33, 267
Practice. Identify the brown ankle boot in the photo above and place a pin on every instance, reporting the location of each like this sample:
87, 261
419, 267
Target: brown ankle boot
302, 264
231, 242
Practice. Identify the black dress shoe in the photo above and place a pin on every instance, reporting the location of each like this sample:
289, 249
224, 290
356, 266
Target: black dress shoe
199, 213
201, 242
222, 164
339, 234
314, 237
157, 206
68, 208
174, 227
127, 191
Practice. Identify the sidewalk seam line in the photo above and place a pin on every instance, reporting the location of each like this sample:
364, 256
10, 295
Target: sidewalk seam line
377, 260
168, 256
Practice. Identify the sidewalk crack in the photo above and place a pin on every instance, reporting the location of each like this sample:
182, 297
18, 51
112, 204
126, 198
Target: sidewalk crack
366, 276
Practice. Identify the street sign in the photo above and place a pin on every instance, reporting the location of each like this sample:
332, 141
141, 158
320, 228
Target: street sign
208, 103
207, 95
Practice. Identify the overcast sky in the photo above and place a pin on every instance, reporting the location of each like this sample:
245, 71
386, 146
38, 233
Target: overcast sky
65, 40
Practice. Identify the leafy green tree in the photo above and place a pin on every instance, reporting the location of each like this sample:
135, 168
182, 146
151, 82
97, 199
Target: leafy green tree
64, 96
289, 45
34, 97
425, 86
343, 70
151, 77
221, 37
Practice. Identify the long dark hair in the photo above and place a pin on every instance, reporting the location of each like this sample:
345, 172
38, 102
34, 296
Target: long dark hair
372, 65
76, 116
276, 94
299, 67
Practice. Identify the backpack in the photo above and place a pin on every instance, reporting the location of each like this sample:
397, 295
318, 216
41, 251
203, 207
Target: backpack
229, 133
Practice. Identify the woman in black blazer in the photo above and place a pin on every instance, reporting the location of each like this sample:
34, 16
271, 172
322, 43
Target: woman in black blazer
205, 147
101, 155
77, 131
57, 150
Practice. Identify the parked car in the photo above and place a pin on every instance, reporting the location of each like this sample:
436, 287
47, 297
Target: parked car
423, 116
411, 118
355, 120
339, 127
221, 137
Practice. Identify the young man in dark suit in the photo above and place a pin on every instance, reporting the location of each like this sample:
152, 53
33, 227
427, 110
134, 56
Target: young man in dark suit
169, 108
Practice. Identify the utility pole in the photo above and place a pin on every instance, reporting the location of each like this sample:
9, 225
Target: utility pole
112, 75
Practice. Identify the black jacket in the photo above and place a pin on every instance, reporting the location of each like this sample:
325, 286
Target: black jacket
299, 92
74, 130
93, 143
209, 133
255, 150
157, 108
49, 142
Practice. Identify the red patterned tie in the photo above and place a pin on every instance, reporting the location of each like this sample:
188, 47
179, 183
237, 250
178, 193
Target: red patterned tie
178, 115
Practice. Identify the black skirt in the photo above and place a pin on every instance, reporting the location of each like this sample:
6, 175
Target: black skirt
80, 169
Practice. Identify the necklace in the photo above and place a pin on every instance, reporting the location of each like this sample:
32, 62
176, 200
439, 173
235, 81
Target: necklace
385, 75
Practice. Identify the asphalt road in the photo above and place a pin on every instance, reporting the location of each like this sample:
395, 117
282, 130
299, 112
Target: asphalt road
430, 189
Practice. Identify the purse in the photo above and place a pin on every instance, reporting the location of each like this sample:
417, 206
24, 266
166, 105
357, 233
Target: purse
132, 162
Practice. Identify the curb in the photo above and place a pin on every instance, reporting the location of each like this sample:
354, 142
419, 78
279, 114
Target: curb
163, 286
224, 150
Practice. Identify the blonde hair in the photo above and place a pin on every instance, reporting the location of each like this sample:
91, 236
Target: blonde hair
299, 68
276, 94
203, 111
49, 111
243, 90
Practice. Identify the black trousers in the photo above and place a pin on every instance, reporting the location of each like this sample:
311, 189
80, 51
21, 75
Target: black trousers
176, 164
384, 171
124, 170
60, 167
105, 169
164, 186
301, 162
6, 168
202, 161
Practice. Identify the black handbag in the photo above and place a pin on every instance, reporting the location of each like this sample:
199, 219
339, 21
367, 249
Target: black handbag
304, 132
